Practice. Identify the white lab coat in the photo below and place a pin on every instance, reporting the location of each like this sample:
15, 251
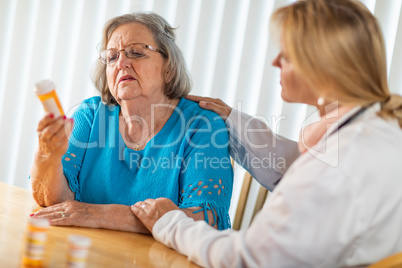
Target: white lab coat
338, 205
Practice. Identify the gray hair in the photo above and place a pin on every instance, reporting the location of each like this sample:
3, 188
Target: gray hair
164, 36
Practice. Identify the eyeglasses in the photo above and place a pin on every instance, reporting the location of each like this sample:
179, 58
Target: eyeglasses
132, 51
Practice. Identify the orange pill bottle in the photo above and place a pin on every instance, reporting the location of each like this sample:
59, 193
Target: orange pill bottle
35, 240
78, 248
45, 90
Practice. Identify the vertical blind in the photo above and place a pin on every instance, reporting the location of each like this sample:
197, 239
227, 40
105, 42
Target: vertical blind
226, 44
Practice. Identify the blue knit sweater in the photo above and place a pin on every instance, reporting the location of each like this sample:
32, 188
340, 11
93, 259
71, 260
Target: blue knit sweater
187, 161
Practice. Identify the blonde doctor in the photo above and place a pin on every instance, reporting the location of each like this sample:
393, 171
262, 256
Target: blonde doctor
339, 210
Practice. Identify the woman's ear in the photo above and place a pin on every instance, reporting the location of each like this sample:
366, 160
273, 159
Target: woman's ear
168, 76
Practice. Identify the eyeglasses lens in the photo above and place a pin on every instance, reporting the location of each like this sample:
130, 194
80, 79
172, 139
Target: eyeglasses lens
133, 51
109, 56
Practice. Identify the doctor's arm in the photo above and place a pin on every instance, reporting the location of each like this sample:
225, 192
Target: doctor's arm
253, 144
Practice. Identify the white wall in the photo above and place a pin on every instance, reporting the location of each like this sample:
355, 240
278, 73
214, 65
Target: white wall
225, 42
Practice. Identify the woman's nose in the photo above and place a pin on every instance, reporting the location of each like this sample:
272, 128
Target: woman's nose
123, 62
276, 62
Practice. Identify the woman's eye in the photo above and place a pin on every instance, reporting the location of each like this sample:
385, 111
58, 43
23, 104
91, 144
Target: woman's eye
112, 58
132, 54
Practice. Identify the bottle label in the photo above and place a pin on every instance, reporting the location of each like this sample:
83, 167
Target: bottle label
51, 103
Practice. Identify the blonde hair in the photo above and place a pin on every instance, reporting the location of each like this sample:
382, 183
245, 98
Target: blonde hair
338, 47
164, 36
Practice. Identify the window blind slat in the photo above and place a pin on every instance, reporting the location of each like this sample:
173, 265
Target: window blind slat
18, 70
395, 77
205, 52
40, 66
112, 9
269, 95
7, 18
229, 49
166, 8
388, 13
139, 5
253, 56
370, 4
85, 53
187, 19
76, 10
226, 44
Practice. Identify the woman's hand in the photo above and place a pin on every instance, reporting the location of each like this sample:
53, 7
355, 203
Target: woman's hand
53, 136
215, 105
151, 210
49, 186
73, 213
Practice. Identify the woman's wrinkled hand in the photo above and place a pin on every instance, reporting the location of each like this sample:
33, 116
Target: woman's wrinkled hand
215, 105
72, 213
53, 134
151, 210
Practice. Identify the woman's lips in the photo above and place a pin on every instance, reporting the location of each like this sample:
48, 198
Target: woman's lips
126, 78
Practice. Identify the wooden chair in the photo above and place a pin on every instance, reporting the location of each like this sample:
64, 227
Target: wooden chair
259, 203
393, 261
244, 197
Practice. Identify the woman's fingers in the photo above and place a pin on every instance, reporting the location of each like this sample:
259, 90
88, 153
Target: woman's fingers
222, 110
148, 206
45, 121
56, 214
151, 210
139, 211
60, 218
63, 222
69, 127
145, 212
63, 133
51, 128
193, 98
53, 135
215, 105
206, 99
198, 98
71, 213
49, 210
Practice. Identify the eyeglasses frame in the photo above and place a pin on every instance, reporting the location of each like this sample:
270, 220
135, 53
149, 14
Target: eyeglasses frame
124, 49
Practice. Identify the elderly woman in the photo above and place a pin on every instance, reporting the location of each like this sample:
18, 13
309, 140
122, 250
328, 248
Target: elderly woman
141, 139
339, 204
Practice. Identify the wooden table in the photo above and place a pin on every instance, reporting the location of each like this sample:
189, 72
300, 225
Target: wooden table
109, 248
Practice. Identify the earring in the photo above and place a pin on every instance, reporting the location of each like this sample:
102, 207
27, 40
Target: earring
320, 101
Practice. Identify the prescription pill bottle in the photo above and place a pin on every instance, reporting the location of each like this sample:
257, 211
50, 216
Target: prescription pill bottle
35, 239
78, 248
46, 92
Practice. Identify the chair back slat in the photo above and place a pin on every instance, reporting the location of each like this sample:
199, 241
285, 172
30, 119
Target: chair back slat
241, 205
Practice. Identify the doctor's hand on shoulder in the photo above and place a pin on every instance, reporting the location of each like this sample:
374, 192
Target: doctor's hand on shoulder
215, 105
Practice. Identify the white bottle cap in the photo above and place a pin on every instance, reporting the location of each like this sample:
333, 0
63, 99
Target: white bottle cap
43, 87
80, 240
39, 222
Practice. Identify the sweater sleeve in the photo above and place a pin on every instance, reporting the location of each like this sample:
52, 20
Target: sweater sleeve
206, 177
78, 143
